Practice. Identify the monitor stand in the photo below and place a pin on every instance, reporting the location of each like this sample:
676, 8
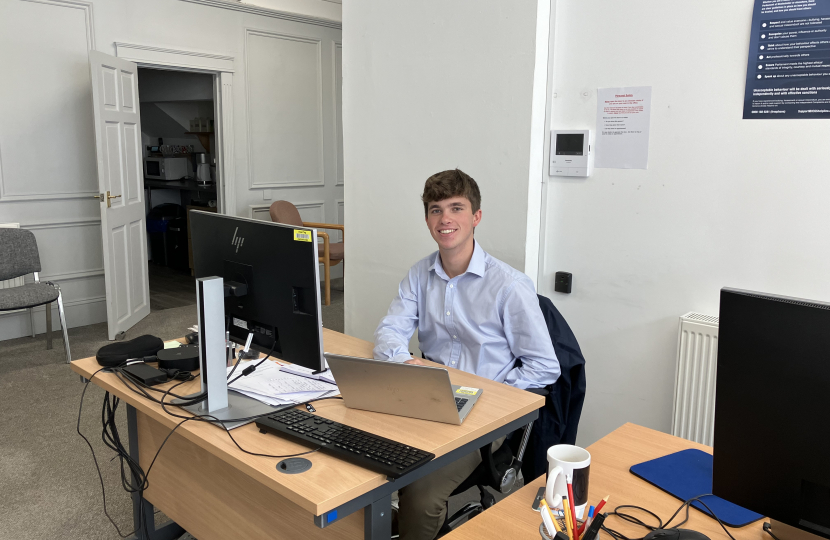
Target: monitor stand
788, 532
239, 406
221, 404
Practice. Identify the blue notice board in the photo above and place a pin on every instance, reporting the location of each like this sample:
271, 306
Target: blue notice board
788, 72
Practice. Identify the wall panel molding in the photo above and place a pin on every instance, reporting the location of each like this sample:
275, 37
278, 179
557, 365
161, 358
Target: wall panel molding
252, 182
179, 58
265, 12
338, 109
86, 7
66, 276
82, 222
254, 209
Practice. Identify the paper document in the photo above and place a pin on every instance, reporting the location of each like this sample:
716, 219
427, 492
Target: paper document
270, 385
325, 376
294, 384
623, 121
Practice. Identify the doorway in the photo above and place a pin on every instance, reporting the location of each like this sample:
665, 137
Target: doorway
180, 174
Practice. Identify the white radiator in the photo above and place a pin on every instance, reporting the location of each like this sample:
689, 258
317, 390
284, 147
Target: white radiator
16, 282
694, 382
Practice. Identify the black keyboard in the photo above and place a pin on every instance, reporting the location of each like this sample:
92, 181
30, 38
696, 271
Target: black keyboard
359, 447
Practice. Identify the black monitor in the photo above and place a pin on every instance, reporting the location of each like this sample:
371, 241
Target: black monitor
772, 410
272, 283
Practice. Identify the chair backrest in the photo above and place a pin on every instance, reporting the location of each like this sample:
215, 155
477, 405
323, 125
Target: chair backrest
559, 418
18, 253
286, 213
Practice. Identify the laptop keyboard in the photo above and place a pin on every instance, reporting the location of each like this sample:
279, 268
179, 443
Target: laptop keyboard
460, 402
357, 446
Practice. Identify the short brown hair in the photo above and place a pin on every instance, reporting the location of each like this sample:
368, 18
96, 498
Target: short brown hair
451, 183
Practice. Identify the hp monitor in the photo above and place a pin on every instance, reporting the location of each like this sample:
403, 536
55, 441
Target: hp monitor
271, 280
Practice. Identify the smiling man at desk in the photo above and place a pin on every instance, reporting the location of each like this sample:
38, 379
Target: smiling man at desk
473, 312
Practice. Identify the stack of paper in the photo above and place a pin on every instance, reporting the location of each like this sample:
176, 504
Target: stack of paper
325, 376
270, 385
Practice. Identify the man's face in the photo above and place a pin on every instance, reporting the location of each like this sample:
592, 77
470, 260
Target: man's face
451, 222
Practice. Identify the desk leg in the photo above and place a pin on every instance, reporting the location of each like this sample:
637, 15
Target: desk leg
168, 531
377, 519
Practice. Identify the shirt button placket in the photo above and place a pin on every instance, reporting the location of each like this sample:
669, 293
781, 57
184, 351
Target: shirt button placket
456, 346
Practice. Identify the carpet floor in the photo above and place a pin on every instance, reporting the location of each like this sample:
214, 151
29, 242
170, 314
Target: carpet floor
48, 484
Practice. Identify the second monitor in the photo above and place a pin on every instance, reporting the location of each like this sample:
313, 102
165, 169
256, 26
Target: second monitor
272, 283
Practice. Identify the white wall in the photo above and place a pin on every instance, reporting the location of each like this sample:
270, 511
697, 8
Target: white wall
430, 86
724, 202
47, 150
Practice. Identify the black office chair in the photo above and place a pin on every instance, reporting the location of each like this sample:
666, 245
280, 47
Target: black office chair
499, 470
526, 450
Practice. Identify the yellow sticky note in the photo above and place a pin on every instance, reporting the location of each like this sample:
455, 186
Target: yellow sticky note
302, 236
467, 390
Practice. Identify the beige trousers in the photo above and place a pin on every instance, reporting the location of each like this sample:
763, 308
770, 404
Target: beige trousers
423, 503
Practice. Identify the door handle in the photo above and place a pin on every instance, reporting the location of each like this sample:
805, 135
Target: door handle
100, 197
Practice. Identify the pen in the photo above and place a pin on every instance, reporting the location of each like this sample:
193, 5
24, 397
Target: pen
568, 522
572, 509
587, 522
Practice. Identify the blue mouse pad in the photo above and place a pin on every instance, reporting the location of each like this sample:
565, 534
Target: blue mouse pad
687, 474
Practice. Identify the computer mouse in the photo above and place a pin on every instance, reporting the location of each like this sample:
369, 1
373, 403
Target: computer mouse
675, 534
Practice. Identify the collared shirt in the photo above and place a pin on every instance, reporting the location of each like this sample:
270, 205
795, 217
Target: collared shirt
480, 321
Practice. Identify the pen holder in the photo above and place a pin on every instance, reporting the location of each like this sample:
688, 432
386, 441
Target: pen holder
544, 533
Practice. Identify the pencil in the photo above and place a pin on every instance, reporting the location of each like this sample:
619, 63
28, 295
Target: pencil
568, 523
601, 504
572, 508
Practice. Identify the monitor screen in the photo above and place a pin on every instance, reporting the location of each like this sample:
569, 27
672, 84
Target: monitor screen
569, 144
274, 269
772, 436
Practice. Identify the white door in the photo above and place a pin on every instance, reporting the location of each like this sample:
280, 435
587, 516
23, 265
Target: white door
118, 147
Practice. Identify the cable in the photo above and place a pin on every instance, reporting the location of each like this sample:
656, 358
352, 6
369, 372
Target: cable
250, 369
133, 478
95, 460
637, 521
768, 528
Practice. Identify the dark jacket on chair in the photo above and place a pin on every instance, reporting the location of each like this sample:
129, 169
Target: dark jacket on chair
559, 418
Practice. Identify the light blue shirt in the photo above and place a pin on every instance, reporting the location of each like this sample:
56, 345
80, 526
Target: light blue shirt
480, 321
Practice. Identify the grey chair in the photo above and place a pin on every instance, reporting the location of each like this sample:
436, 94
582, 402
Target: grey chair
19, 257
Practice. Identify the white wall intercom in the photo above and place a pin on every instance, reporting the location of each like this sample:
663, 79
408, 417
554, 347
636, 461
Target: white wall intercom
570, 152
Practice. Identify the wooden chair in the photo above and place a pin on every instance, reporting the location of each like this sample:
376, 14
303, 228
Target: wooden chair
330, 254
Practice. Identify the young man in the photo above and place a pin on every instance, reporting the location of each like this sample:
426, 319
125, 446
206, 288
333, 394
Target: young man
473, 312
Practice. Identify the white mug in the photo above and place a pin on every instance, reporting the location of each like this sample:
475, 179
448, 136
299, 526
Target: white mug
568, 460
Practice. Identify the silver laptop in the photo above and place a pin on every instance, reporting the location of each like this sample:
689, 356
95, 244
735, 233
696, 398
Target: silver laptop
409, 390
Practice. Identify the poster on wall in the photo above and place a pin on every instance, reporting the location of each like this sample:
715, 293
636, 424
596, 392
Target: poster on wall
623, 116
788, 72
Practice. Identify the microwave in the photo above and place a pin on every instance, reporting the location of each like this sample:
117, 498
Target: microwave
165, 168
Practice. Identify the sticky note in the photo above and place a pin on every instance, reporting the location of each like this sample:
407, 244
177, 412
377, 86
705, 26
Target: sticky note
467, 390
302, 236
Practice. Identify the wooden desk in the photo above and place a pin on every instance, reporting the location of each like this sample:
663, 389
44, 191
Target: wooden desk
208, 486
611, 457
